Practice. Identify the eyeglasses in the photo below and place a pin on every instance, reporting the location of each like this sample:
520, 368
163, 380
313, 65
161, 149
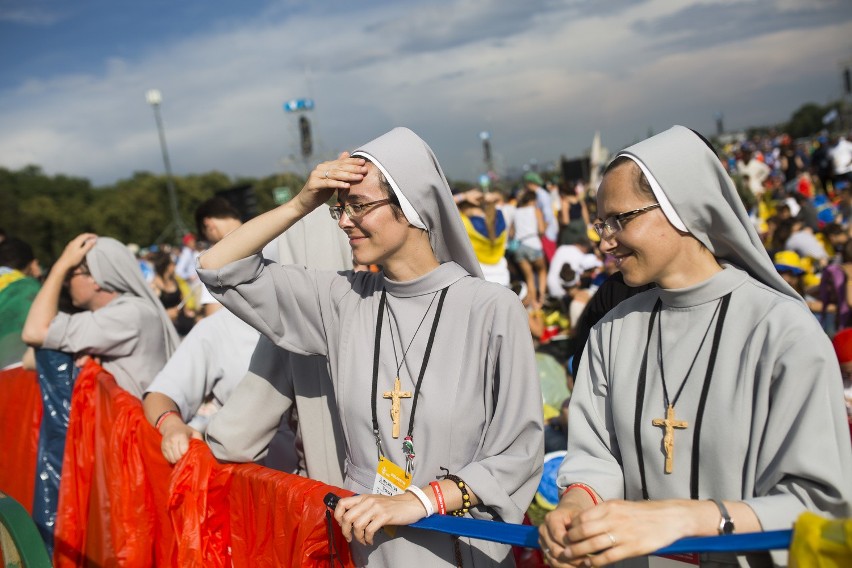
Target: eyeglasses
77, 272
354, 210
615, 223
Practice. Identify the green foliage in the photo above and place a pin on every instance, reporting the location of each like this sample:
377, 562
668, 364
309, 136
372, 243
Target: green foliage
48, 211
807, 120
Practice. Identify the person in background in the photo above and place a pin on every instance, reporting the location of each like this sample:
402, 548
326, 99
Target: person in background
208, 364
173, 292
570, 255
755, 171
527, 230
722, 342
214, 219
291, 425
841, 160
574, 219
837, 236
122, 322
185, 264
397, 210
486, 228
533, 183
796, 272
19, 284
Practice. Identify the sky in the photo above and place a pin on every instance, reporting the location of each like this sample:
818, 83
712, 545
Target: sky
541, 76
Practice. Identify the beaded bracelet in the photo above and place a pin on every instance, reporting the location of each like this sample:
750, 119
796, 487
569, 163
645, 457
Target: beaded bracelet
162, 418
464, 491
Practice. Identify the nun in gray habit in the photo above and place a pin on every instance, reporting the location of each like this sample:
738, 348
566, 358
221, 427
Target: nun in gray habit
132, 335
456, 350
711, 404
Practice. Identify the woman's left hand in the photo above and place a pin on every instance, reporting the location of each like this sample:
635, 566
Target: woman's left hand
361, 516
615, 530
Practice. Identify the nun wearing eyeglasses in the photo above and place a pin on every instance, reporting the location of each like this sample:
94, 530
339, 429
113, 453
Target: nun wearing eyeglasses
708, 405
433, 367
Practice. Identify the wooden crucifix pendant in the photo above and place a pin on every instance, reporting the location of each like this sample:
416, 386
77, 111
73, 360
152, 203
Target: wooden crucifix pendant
395, 395
668, 439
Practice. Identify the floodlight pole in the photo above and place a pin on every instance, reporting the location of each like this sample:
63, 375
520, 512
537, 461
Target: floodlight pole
154, 99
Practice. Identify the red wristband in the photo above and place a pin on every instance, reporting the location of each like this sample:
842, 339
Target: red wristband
162, 418
585, 488
439, 497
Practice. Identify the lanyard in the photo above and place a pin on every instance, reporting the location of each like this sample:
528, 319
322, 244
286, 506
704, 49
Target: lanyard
408, 448
640, 397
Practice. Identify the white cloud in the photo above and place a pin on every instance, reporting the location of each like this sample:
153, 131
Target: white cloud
541, 85
30, 16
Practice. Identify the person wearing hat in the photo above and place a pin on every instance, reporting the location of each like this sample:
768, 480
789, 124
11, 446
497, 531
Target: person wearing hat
710, 404
122, 321
427, 358
534, 183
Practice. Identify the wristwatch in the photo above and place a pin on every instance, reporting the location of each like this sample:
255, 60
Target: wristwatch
726, 525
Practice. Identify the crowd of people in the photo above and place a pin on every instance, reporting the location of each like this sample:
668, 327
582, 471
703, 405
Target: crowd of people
386, 343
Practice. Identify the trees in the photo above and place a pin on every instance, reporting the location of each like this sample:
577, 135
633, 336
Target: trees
807, 120
48, 211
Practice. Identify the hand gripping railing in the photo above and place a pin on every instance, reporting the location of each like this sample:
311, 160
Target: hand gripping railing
527, 536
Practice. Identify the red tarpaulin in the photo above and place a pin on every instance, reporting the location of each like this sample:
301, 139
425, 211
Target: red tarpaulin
121, 503
20, 417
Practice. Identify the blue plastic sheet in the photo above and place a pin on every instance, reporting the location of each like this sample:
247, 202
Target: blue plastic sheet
56, 375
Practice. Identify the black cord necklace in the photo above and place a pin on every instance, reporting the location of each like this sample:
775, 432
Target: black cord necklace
668, 422
399, 363
408, 443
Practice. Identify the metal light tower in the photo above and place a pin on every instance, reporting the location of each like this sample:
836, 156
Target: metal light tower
154, 99
306, 139
485, 136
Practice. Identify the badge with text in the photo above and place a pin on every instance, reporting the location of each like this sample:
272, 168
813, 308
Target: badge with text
674, 560
390, 478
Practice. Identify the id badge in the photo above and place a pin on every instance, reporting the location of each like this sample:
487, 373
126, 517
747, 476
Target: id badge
390, 478
674, 560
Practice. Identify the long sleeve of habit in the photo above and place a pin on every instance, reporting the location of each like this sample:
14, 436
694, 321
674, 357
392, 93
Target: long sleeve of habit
478, 413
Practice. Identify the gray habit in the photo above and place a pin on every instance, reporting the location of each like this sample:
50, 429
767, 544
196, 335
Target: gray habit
774, 431
281, 385
479, 412
132, 335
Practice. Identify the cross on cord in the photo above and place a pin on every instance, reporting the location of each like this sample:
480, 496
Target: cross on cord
395, 395
668, 439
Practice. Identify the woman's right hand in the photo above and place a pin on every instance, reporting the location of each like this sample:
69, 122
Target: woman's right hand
552, 533
329, 177
176, 437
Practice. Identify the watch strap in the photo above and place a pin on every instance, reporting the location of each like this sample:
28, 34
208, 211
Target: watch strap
726, 525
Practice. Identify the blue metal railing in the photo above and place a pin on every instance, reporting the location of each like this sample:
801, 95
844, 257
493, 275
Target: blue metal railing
527, 536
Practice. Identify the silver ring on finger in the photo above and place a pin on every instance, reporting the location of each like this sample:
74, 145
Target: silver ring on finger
326, 173
612, 539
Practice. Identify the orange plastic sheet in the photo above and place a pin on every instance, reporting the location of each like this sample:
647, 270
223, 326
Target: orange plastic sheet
20, 417
199, 508
114, 491
278, 519
72, 509
122, 504
248, 515
137, 480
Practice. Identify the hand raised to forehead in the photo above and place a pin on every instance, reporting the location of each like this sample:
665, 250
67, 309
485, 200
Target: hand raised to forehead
76, 250
329, 177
